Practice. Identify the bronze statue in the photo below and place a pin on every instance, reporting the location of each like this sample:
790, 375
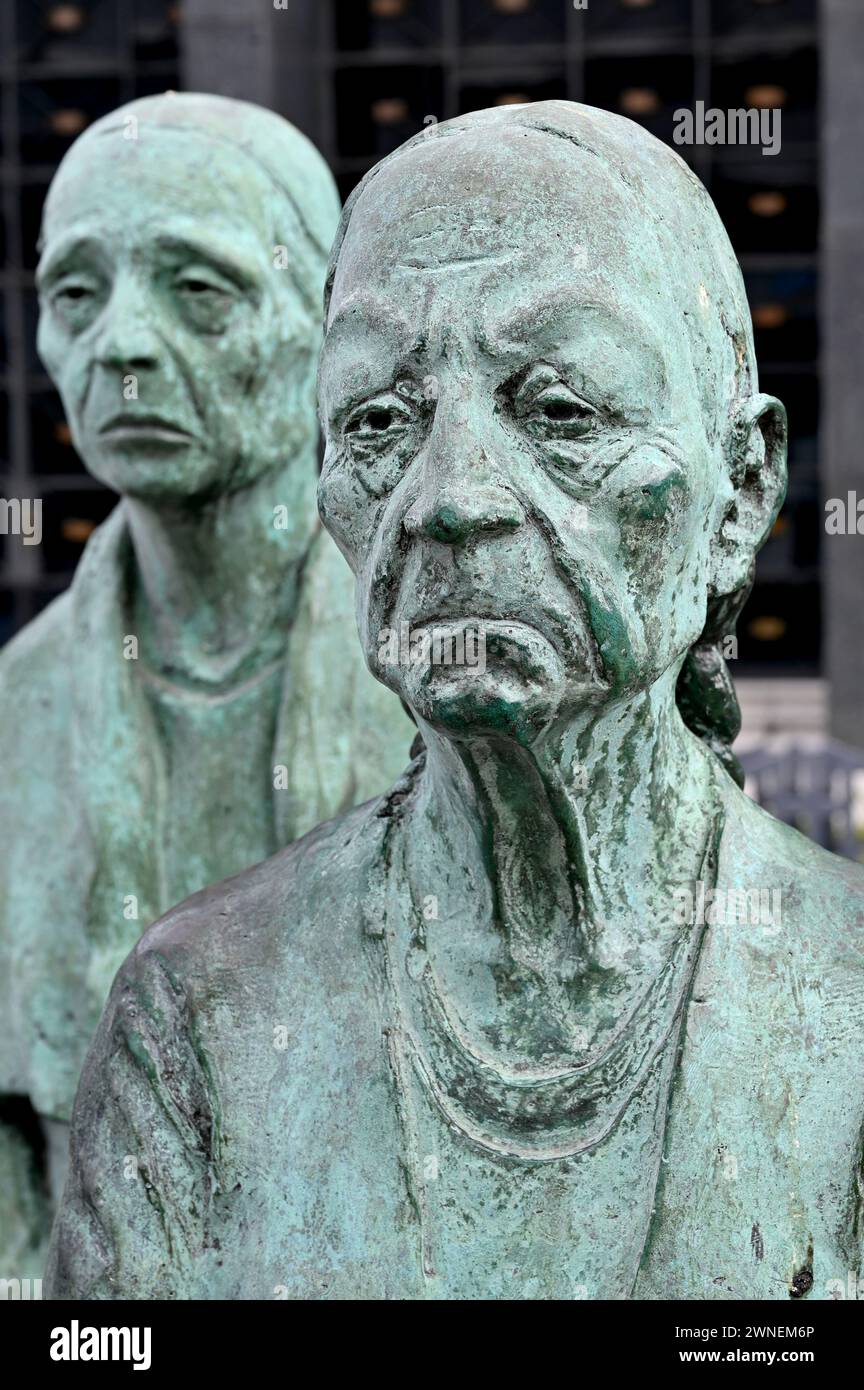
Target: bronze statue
197, 699
565, 1015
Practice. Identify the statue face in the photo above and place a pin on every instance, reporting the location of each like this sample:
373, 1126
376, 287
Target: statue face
181, 352
514, 435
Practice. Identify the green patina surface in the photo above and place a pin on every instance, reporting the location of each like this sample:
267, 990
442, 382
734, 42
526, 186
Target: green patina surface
197, 699
459, 1042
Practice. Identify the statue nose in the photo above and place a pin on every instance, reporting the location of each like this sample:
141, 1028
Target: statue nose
463, 492
127, 337
453, 521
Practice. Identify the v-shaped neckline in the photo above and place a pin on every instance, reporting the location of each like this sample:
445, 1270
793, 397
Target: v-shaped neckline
539, 1114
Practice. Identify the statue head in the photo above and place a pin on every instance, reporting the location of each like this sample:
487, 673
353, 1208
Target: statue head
183, 253
542, 415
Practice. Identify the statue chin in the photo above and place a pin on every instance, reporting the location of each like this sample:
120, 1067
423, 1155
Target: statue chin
151, 474
503, 678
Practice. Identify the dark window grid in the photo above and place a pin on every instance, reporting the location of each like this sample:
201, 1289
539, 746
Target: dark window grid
465, 65
700, 43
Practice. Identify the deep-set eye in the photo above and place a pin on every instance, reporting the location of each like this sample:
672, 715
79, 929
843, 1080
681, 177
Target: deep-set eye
197, 285
75, 300
206, 297
377, 420
563, 410
377, 424
557, 412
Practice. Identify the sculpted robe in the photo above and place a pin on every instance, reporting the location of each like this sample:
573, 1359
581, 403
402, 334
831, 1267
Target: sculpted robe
121, 795
277, 1106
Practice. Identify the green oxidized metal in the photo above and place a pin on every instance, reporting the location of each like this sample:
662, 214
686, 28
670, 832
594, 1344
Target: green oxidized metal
565, 1015
198, 698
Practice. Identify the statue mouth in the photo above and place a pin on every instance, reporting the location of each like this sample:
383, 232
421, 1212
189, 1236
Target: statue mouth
507, 641
143, 428
478, 657
492, 626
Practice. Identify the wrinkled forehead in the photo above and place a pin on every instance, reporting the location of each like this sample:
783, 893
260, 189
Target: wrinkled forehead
465, 227
117, 186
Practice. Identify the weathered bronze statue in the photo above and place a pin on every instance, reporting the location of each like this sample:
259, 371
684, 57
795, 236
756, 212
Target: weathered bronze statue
565, 1015
197, 699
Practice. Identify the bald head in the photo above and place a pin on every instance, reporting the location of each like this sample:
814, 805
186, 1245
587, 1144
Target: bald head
613, 196
539, 393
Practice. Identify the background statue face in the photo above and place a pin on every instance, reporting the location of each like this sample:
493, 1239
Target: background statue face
515, 431
158, 265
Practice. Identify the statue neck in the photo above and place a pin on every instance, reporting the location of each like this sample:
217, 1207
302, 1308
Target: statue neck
216, 582
579, 835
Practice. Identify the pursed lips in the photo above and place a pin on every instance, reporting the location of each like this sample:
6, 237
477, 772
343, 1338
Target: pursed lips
559, 629
465, 613
153, 426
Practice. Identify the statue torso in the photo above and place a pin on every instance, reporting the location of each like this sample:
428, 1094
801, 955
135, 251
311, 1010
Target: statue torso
730, 1172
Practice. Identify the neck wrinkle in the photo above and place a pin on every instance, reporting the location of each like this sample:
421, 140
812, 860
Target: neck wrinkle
575, 830
215, 585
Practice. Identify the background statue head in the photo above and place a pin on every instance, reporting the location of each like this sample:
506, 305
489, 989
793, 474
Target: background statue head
183, 252
540, 396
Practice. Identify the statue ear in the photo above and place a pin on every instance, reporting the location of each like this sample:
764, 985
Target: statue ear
756, 459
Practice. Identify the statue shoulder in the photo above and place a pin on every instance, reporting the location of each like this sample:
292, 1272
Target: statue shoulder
242, 928
36, 658
36, 697
183, 1007
821, 895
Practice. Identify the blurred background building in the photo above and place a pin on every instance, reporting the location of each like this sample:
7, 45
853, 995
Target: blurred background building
361, 76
